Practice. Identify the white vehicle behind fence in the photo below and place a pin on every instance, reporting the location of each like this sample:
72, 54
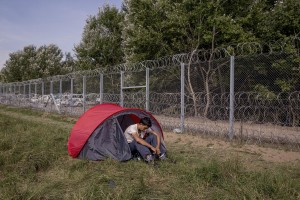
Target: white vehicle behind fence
66, 100
75, 100
35, 98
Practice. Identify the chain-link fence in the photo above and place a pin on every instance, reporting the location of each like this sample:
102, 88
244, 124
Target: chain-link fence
248, 91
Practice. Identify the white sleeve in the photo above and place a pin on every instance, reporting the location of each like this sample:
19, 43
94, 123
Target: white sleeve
131, 129
149, 130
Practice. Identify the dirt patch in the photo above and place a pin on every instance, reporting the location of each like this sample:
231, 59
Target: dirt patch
266, 133
264, 153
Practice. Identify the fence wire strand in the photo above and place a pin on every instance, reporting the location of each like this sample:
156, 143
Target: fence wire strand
266, 101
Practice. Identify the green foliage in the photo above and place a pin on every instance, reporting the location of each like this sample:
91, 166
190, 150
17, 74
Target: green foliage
32, 63
69, 64
150, 29
268, 75
158, 28
280, 21
289, 73
101, 40
264, 92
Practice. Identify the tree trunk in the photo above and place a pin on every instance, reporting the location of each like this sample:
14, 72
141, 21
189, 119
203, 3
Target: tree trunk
190, 84
207, 90
208, 73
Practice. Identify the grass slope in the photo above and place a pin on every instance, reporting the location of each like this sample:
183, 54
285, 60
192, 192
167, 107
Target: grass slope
34, 164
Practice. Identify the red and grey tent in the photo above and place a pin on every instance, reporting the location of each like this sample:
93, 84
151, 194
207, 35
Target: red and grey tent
99, 132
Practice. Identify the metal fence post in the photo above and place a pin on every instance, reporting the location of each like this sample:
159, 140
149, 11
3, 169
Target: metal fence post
35, 89
24, 90
60, 88
84, 91
51, 87
43, 88
71, 100
231, 108
101, 89
121, 92
147, 89
182, 97
29, 91
72, 83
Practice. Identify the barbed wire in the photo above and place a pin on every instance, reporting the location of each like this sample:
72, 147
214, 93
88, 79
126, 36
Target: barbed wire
198, 56
261, 117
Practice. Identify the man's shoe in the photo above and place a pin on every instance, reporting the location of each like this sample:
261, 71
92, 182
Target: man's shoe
149, 159
163, 156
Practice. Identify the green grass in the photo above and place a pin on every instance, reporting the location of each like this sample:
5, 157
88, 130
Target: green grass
34, 164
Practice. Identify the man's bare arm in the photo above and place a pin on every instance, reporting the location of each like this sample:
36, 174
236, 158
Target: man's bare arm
143, 142
158, 141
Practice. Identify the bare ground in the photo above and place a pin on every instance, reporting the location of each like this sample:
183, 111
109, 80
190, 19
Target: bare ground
264, 153
268, 133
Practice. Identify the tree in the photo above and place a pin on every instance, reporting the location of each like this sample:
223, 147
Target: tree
69, 64
1, 77
281, 21
48, 61
157, 28
33, 63
101, 40
17, 67
279, 26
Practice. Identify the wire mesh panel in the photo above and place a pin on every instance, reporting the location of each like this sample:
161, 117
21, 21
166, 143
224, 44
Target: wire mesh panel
111, 87
92, 90
164, 100
65, 99
207, 96
190, 91
134, 89
76, 100
35, 96
267, 98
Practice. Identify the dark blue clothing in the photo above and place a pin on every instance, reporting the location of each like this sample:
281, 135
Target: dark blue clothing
136, 147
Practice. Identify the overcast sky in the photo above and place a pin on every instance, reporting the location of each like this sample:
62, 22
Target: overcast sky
44, 22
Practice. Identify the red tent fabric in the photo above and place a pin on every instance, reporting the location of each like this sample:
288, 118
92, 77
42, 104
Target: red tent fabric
93, 118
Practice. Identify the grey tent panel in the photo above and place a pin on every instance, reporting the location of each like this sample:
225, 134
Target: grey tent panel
106, 141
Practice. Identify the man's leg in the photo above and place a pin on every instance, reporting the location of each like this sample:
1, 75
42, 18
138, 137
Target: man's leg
143, 150
132, 147
151, 139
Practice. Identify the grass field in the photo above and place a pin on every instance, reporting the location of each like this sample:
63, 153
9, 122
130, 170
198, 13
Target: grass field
34, 164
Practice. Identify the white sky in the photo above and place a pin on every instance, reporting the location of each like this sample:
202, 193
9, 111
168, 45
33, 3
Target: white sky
44, 22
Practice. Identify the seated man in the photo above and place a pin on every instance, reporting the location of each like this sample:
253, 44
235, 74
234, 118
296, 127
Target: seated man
145, 146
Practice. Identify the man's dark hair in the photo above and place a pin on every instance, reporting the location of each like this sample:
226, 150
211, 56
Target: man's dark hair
146, 121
